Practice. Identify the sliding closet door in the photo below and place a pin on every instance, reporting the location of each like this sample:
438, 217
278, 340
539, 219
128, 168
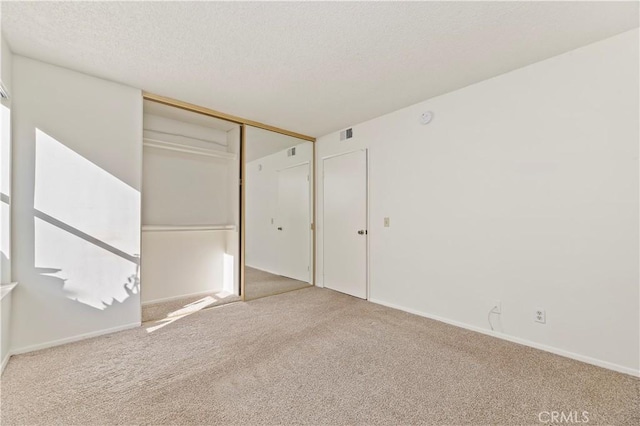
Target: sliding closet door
278, 204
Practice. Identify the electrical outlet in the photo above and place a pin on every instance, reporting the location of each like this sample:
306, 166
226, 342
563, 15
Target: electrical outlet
386, 222
540, 316
497, 307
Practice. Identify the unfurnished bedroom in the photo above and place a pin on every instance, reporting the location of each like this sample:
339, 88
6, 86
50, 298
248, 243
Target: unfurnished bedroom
320, 213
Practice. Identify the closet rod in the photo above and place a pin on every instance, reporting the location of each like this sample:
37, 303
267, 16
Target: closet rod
155, 143
185, 136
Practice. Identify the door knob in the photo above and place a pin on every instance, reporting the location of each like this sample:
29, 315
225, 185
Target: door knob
362, 232
279, 228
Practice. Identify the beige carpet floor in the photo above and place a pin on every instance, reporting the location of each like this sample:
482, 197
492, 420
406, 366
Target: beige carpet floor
311, 356
184, 305
258, 283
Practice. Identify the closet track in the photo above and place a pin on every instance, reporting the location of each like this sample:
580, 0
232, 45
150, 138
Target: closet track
221, 115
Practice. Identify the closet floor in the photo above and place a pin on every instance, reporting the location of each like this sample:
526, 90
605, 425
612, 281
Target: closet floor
187, 305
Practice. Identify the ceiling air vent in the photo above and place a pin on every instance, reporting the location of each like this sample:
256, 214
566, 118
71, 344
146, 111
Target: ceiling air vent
291, 152
346, 134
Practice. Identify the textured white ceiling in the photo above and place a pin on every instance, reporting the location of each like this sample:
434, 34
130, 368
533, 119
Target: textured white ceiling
308, 67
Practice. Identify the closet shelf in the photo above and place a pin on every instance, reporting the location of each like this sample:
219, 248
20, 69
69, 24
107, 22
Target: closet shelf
155, 143
167, 228
185, 136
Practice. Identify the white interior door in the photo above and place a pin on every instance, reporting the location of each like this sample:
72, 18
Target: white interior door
345, 223
294, 222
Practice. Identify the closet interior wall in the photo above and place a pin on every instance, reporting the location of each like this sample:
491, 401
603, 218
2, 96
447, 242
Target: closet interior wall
189, 206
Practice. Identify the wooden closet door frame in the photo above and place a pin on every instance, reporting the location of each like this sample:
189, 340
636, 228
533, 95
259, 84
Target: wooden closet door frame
243, 122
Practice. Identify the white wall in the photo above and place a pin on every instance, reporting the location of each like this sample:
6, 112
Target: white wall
5, 164
5, 332
523, 189
181, 263
6, 63
261, 142
261, 194
76, 204
5, 324
182, 190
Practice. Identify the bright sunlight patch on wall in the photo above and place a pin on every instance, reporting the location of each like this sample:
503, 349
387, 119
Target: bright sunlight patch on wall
86, 226
5, 190
81, 194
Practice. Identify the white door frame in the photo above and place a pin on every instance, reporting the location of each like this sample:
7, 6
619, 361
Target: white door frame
368, 272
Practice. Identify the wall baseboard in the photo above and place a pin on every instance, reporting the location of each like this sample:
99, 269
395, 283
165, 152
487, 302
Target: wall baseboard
583, 358
72, 339
182, 296
5, 361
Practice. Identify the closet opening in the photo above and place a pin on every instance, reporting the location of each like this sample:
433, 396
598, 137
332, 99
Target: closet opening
190, 256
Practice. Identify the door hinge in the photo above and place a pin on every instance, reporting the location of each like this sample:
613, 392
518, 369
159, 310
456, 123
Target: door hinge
240, 182
312, 226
